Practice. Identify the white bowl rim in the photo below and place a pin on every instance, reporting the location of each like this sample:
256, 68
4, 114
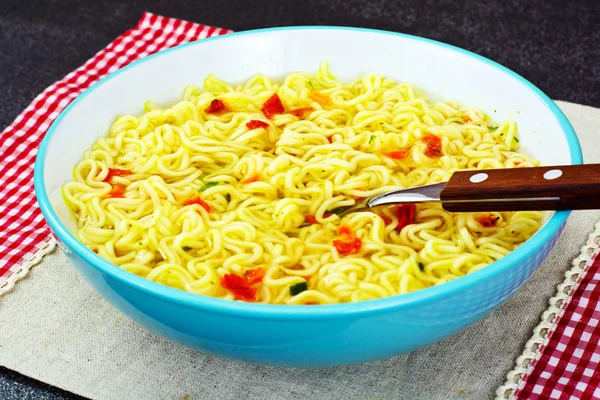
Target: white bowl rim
286, 312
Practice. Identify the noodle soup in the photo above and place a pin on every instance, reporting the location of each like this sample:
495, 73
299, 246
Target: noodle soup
234, 192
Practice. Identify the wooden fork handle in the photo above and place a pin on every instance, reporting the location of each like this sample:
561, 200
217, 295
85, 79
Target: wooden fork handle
569, 187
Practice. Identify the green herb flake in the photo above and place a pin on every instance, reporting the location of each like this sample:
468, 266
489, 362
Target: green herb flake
310, 85
228, 197
208, 186
517, 139
493, 128
186, 248
421, 266
298, 288
371, 138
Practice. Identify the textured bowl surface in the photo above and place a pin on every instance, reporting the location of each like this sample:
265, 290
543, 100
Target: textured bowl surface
320, 335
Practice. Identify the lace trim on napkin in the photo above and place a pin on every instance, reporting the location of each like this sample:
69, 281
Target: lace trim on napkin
29, 262
557, 303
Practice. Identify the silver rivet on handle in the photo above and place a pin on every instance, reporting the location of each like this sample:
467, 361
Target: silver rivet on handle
478, 178
553, 174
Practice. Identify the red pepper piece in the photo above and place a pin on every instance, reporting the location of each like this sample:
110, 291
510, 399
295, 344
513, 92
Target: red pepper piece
406, 215
116, 172
310, 219
299, 112
434, 145
347, 242
272, 106
216, 106
254, 276
397, 155
327, 215
330, 138
488, 221
253, 124
345, 232
386, 220
239, 287
348, 247
250, 179
311, 303
117, 191
199, 201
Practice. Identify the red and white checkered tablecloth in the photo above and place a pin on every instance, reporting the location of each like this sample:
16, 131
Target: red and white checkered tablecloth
567, 366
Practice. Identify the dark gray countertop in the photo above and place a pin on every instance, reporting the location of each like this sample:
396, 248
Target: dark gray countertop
554, 44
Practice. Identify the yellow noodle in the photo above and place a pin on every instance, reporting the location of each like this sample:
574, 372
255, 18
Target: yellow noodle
174, 152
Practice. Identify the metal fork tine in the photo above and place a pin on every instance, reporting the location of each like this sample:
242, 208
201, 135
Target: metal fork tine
354, 209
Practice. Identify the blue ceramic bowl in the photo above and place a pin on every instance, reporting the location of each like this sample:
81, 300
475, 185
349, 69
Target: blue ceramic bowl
319, 335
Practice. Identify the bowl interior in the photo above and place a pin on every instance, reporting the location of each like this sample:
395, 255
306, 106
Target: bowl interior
443, 71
